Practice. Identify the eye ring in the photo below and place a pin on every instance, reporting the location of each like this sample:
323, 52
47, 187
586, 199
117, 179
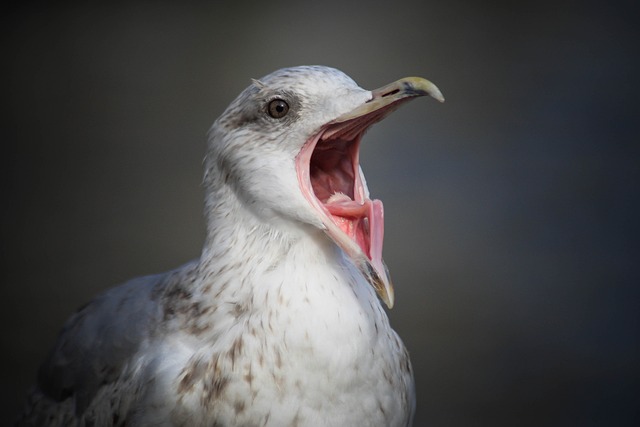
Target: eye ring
278, 108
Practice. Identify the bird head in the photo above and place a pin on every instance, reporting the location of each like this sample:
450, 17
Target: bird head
289, 146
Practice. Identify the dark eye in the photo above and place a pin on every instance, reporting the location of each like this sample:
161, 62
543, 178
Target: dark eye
278, 108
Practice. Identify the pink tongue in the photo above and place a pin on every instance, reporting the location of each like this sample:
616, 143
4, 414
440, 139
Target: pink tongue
350, 216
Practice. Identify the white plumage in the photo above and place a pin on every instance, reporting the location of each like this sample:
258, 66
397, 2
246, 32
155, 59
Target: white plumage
278, 322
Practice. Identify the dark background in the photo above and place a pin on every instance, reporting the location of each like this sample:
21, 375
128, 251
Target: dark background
512, 209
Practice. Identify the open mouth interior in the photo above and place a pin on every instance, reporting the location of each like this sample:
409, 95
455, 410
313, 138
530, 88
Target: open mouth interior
330, 178
332, 169
335, 180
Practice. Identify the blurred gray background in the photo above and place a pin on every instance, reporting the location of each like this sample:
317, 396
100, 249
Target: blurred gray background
512, 209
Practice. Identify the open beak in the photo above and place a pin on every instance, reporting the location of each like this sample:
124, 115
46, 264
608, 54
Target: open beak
330, 177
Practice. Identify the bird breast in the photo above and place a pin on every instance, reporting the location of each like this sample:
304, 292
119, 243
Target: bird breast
301, 344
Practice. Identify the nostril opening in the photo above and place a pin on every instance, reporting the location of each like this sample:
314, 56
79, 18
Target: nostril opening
391, 93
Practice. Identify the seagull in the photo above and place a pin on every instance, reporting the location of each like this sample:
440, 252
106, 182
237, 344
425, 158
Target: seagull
280, 321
